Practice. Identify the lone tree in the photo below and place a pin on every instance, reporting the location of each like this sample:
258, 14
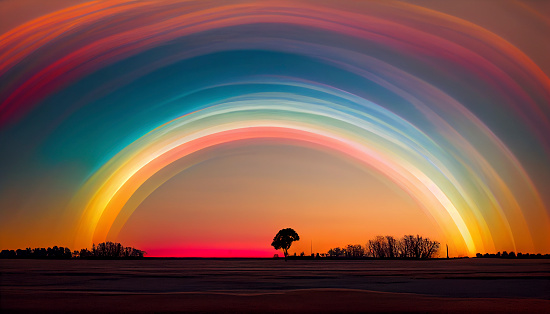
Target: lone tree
283, 240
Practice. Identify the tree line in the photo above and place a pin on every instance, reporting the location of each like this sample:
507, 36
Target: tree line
388, 247
105, 250
505, 254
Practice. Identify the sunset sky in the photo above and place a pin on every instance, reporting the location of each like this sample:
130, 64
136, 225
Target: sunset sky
201, 128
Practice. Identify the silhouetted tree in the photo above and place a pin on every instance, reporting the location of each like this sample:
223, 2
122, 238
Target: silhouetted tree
383, 247
354, 251
8, 254
103, 250
21, 253
377, 247
418, 247
283, 240
40, 252
392, 247
335, 252
513, 255
111, 250
388, 247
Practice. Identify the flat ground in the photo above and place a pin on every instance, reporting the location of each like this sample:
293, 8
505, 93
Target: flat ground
229, 285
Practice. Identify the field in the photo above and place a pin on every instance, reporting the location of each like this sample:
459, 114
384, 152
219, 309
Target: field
255, 285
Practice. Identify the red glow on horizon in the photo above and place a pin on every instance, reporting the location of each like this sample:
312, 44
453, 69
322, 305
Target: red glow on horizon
209, 252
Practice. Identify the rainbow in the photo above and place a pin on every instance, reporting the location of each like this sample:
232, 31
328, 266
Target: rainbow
398, 88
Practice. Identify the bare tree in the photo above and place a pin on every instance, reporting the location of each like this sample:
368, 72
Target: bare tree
377, 247
418, 247
354, 250
392, 247
388, 247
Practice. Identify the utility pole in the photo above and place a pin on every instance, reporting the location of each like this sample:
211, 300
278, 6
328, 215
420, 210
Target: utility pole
311, 248
447, 250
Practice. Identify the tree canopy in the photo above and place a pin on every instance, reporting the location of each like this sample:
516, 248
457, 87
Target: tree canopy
284, 238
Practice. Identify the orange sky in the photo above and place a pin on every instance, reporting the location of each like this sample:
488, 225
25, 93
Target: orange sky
242, 199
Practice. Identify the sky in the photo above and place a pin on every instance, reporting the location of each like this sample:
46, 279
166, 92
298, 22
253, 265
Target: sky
201, 128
